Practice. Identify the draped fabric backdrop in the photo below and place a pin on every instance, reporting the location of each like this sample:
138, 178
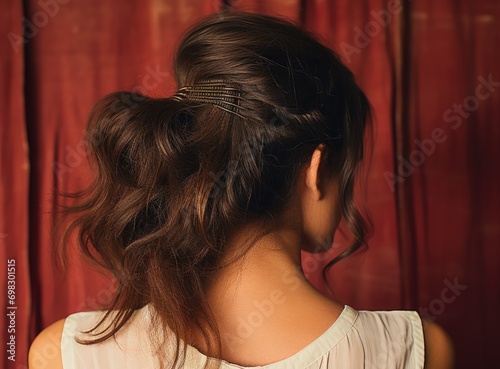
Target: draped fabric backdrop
431, 70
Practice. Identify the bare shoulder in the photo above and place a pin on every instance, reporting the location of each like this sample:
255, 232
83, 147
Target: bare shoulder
439, 350
47, 341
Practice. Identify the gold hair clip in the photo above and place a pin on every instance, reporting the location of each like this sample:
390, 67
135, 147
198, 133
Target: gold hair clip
218, 92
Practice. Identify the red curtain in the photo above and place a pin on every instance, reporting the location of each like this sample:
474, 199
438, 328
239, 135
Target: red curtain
430, 69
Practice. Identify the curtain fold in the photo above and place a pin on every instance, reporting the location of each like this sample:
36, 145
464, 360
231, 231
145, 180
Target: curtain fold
430, 70
451, 172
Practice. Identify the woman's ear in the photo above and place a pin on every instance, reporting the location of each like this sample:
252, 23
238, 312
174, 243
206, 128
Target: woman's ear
314, 171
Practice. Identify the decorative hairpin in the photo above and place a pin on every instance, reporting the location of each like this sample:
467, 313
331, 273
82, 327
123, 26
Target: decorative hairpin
218, 92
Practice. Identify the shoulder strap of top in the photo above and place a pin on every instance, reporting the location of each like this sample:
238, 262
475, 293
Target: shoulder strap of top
71, 352
129, 347
397, 339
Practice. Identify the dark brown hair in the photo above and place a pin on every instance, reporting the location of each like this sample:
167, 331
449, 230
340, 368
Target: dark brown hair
174, 179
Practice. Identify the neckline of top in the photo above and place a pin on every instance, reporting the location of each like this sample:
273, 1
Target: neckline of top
305, 356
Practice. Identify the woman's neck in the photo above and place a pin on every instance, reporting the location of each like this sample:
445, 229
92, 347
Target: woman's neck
263, 292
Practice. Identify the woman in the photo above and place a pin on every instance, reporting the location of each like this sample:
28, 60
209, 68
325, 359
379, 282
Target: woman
203, 202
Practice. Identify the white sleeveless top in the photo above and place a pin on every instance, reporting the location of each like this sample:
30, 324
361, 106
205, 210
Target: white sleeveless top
357, 340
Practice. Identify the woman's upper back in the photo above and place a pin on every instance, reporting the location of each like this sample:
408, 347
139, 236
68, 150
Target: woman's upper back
357, 339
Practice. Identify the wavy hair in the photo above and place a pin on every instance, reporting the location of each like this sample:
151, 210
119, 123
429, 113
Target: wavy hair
174, 178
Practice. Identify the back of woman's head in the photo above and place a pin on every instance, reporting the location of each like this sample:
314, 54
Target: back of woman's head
177, 176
